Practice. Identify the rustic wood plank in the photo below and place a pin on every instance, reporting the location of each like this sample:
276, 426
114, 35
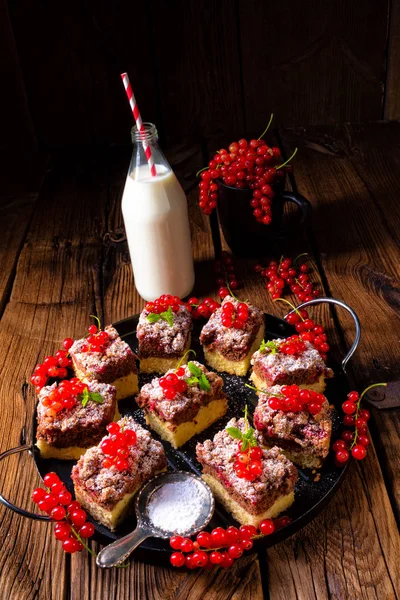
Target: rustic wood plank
47, 303
299, 58
17, 128
18, 198
71, 58
392, 85
198, 64
350, 255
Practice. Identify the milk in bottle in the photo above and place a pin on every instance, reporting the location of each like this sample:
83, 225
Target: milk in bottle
156, 223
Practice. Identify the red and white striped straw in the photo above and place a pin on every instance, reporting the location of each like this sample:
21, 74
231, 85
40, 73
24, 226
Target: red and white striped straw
138, 121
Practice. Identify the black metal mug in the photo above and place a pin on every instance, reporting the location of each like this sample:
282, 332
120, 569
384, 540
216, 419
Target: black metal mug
243, 234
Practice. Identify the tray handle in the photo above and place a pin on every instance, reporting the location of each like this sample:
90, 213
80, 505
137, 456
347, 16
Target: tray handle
7, 503
353, 314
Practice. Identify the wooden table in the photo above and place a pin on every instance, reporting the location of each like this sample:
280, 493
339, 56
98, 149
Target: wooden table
61, 261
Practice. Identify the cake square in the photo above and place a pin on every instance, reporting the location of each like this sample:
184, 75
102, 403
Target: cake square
200, 402
107, 493
289, 361
249, 502
163, 337
68, 433
115, 364
304, 438
230, 348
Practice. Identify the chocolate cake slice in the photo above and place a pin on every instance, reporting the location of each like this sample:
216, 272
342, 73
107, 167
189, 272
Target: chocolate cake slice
230, 349
273, 366
107, 493
115, 365
249, 502
302, 437
67, 434
190, 411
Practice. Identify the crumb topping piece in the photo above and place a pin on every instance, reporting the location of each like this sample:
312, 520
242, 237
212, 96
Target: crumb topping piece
278, 473
107, 486
184, 406
117, 359
232, 343
161, 339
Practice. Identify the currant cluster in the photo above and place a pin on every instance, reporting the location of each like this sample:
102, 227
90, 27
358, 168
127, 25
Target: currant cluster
309, 331
246, 164
234, 317
293, 346
285, 276
221, 546
64, 396
52, 366
294, 399
248, 463
224, 270
115, 447
162, 303
172, 384
71, 527
355, 440
97, 340
202, 309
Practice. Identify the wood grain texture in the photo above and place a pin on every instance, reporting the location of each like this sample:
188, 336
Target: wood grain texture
309, 62
392, 88
198, 67
17, 127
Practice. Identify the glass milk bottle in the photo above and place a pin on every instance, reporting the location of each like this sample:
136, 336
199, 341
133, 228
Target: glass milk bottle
156, 223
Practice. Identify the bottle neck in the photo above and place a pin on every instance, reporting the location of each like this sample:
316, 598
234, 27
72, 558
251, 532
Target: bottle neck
146, 152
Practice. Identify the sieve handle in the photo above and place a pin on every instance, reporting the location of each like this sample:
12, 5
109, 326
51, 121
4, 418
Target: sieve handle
116, 553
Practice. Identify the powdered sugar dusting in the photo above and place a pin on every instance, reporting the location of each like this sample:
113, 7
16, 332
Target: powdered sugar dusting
175, 507
162, 340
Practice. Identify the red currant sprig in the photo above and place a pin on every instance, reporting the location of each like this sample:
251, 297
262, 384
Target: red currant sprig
53, 366
248, 463
225, 274
294, 399
71, 527
172, 383
246, 164
116, 446
162, 303
97, 340
220, 546
285, 276
235, 317
309, 330
202, 309
292, 346
356, 440
63, 397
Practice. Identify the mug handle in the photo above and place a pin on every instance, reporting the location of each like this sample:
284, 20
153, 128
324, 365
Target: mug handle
302, 203
346, 307
7, 503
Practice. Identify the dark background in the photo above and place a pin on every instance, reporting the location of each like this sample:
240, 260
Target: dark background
199, 69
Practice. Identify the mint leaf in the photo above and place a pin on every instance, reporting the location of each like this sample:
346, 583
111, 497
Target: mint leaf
235, 433
192, 380
167, 315
96, 397
270, 345
204, 384
86, 396
194, 369
153, 317
249, 433
245, 445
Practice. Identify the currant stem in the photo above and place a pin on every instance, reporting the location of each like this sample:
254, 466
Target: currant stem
299, 256
78, 537
183, 358
201, 170
268, 126
359, 405
230, 291
97, 320
296, 310
288, 160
